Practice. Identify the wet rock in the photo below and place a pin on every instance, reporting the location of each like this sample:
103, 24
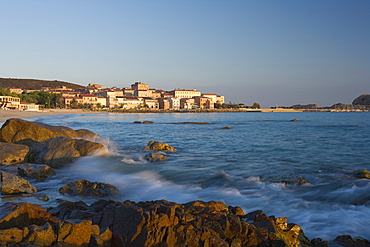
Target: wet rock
194, 123
87, 188
155, 157
288, 179
11, 153
60, 151
89, 135
295, 120
346, 240
35, 171
148, 122
159, 146
363, 174
138, 122
12, 184
226, 127
318, 242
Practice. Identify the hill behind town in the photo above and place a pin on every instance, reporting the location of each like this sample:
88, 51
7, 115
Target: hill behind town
34, 84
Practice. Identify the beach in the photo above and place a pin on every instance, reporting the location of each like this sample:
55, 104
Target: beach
6, 114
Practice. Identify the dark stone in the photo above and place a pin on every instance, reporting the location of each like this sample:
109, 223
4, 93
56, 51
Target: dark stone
12, 184
226, 127
87, 188
155, 157
35, 171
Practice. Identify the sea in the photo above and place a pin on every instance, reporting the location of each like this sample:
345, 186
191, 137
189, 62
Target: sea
253, 165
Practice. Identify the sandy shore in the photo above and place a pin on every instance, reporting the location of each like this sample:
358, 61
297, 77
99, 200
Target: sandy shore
6, 114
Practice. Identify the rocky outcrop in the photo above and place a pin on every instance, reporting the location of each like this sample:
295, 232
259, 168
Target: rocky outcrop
155, 157
35, 171
226, 128
156, 223
159, 146
25, 224
11, 153
60, 151
87, 188
55, 146
12, 184
362, 100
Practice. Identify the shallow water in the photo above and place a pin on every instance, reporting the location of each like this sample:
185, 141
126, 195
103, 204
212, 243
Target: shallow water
240, 166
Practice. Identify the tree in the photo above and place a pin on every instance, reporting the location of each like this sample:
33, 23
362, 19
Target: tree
256, 106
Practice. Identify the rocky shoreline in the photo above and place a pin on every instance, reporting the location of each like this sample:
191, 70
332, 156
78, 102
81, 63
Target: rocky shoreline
32, 152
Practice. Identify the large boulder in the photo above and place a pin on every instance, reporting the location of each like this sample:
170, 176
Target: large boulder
36, 171
159, 146
17, 130
87, 188
12, 184
11, 153
60, 151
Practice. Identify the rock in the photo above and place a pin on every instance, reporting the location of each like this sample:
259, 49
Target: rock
11, 153
60, 151
159, 146
155, 157
226, 127
87, 188
363, 174
26, 224
12, 184
346, 240
288, 179
318, 242
144, 122
17, 130
295, 120
89, 135
154, 223
38, 172
194, 123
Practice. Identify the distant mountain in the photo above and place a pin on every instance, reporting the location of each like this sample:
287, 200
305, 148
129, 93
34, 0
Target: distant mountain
34, 84
362, 100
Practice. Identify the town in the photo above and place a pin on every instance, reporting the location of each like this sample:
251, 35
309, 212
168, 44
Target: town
138, 96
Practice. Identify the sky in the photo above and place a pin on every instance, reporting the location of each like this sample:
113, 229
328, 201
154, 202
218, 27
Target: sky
273, 52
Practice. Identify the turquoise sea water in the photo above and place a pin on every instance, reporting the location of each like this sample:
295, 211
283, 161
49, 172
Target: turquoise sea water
241, 166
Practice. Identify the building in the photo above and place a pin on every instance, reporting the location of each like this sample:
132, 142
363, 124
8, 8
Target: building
204, 102
174, 103
29, 107
9, 102
16, 90
139, 86
151, 103
215, 98
185, 93
163, 103
143, 93
186, 103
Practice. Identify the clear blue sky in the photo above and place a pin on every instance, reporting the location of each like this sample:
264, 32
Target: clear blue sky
272, 52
